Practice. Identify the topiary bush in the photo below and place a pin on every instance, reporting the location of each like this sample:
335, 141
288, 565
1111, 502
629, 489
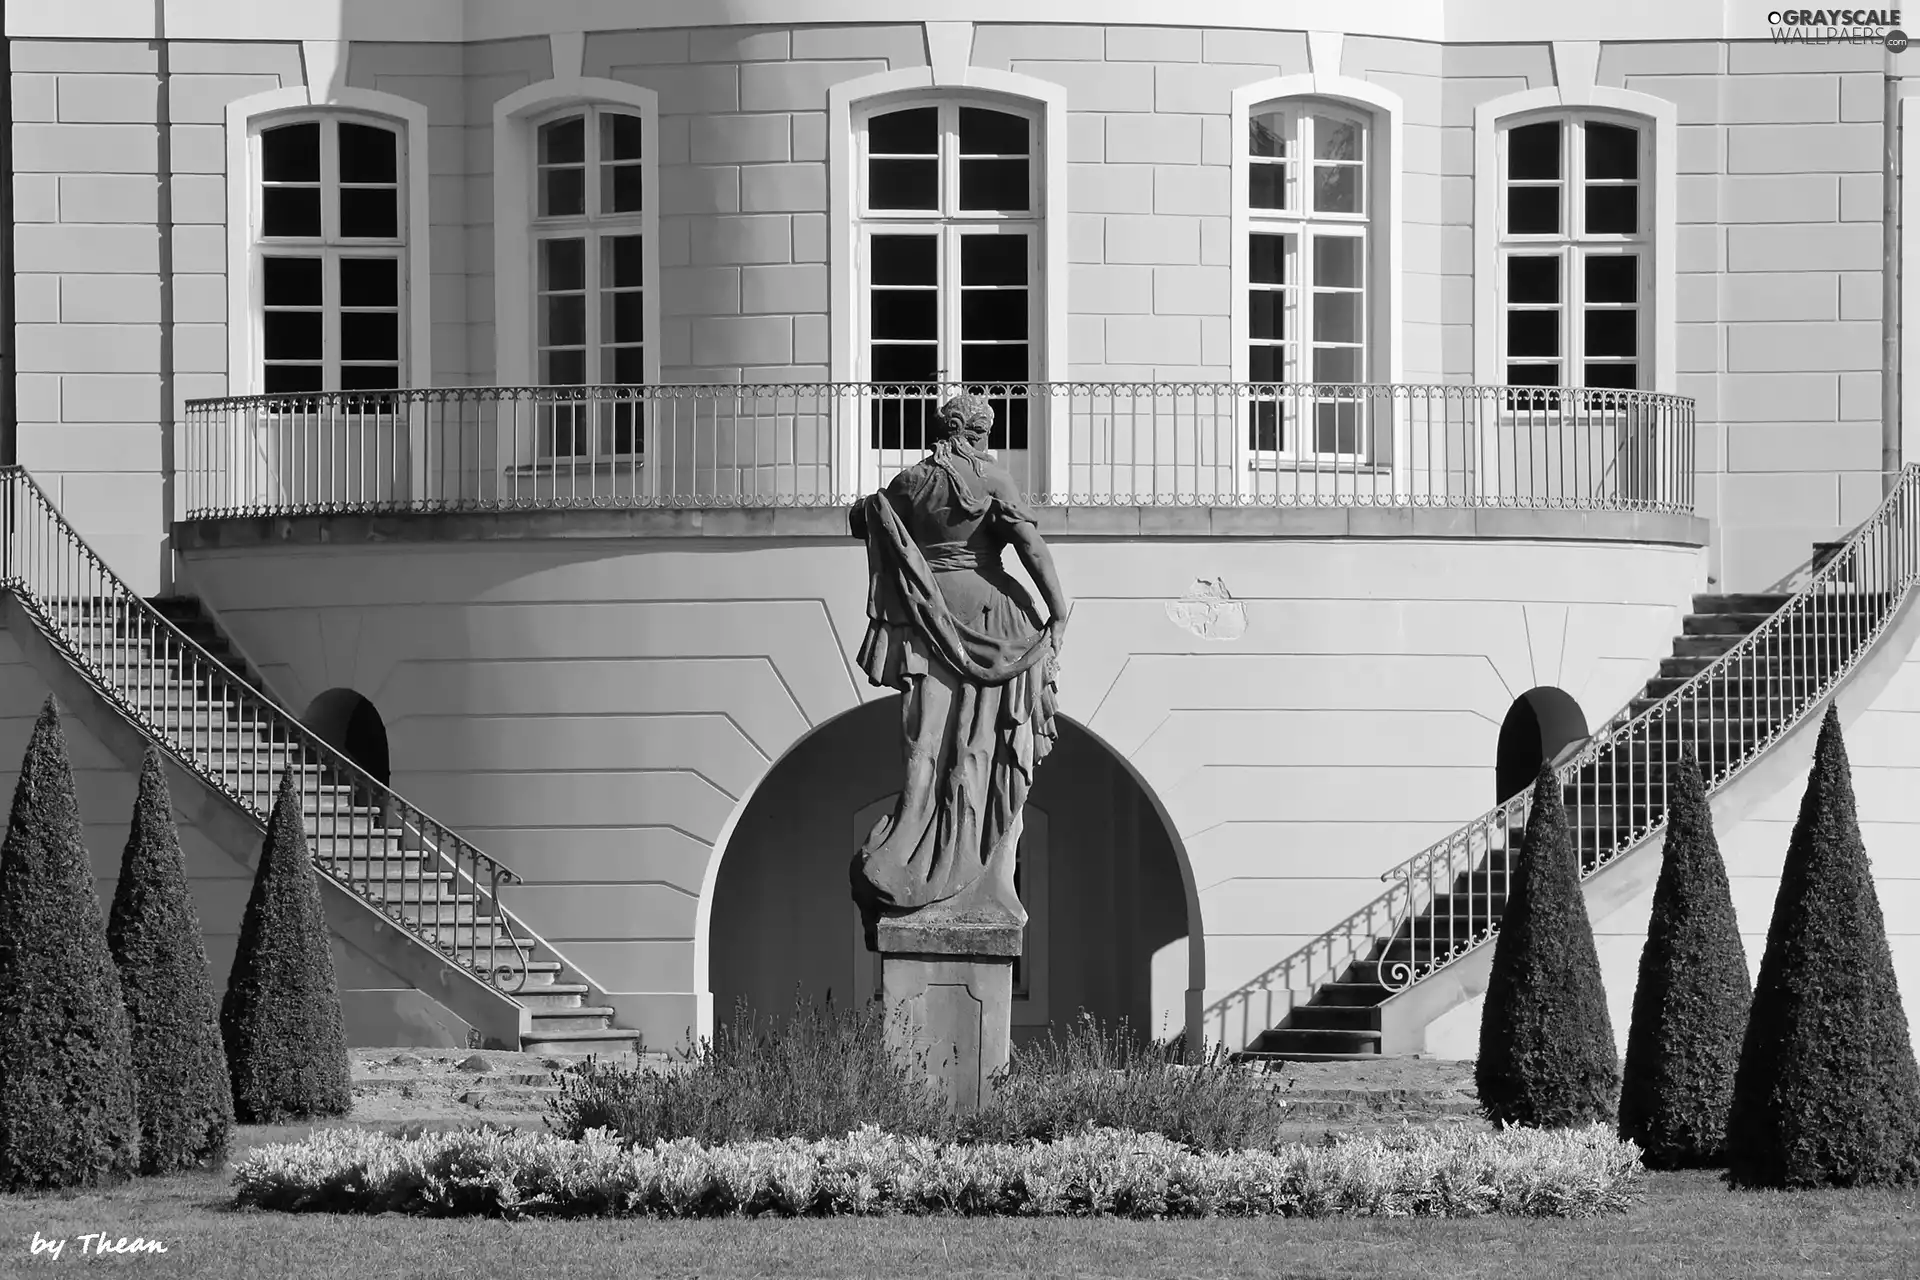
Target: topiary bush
1546, 1045
1690, 1008
67, 1111
1827, 1093
280, 1020
185, 1096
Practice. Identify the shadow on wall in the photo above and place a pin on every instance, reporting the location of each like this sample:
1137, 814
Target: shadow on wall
783, 915
351, 725
1540, 725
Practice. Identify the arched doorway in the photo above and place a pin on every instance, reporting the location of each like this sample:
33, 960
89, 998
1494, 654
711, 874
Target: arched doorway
1108, 888
351, 725
1540, 725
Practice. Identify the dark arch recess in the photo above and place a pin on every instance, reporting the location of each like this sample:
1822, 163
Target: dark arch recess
1542, 723
348, 722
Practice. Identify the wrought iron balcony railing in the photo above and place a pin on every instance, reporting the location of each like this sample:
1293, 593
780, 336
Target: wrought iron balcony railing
823, 444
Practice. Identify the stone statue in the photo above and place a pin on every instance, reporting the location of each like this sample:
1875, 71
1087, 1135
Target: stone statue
961, 639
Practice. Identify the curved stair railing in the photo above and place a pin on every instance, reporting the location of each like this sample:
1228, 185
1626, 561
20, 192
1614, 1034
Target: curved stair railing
363, 836
1446, 900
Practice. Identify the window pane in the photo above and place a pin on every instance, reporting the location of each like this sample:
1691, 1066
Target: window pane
1612, 333
1613, 277
903, 184
623, 364
1533, 278
986, 259
623, 317
1533, 375
370, 335
1533, 151
290, 282
1335, 139
993, 313
1613, 377
1267, 313
1613, 210
905, 260
1533, 211
621, 262
905, 313
291, 335
1613, 151
1264, 425
905, 133
290, 211
1533, 333
1267, 364
369, 282
1336, 317
1336, 427
563, 193
1266, 185
1336, 262
992, 133
619, 137
368, 154
895, 362
291, 379
370, 377
1268, 263
993, 184
991, 363
620, 188
290, 153
564, 141
1336, 188
563, 320
369, 213
563, 368
563, 264
1336, 364
1267, 135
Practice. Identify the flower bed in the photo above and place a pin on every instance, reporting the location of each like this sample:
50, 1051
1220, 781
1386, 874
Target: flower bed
1456, 1171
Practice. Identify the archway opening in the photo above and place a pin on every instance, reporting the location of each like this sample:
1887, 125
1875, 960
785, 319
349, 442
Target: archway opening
1101, 880
349, 723
1541, 724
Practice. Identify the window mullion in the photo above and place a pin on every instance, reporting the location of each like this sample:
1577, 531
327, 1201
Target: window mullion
330, 317
590, 279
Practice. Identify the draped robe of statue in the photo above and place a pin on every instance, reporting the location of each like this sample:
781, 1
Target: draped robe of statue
962, 640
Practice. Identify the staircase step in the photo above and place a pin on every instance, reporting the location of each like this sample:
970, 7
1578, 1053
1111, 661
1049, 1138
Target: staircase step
1332, 1017
547, 1022
542, 975
437, 913
1249, 1056
1349, 994
555, 996
578, 1044
420, 885
1762, 603
1721, 624
1687, 646
1297, 1040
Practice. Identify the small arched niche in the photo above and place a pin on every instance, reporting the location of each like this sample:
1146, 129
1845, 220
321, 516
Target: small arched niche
348, 722
1540, 725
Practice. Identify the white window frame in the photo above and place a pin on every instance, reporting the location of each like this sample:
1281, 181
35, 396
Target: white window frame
245, 118
1299, 225
1383, 112
1573, 245
983, 86
514, 192
1575, 63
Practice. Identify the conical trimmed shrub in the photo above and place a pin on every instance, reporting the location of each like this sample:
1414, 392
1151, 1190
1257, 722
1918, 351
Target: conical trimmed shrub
180, 1068
67, 1111
281, 1016
1546, 1045
1690, 1008
1828, 1093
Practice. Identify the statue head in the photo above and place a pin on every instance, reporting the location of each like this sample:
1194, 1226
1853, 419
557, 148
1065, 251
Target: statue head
966, 418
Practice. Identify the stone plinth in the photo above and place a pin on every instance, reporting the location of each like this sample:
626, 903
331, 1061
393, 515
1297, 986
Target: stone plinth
948, 986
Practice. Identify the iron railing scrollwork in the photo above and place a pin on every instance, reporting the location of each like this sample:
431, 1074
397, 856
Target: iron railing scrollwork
824, 444
362, 835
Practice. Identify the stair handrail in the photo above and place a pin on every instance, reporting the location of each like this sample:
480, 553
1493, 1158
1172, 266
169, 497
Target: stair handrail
20, 551
1421, 879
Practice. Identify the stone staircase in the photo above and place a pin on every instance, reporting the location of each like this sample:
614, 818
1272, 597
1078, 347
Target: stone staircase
366, 838
1343, 1019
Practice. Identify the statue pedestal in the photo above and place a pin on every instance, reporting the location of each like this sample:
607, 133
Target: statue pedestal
948, 987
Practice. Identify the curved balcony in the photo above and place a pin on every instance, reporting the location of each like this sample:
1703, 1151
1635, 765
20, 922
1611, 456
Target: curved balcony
1080, 444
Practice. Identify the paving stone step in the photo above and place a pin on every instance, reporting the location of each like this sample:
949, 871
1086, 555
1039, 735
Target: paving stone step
549, 1021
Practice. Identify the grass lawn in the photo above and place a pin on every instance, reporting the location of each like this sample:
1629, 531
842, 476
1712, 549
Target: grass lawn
1687, 1225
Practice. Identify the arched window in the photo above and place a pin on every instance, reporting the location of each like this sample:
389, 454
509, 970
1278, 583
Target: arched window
1575, 276
591, 274
949, 253
1311, 194
329, 253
